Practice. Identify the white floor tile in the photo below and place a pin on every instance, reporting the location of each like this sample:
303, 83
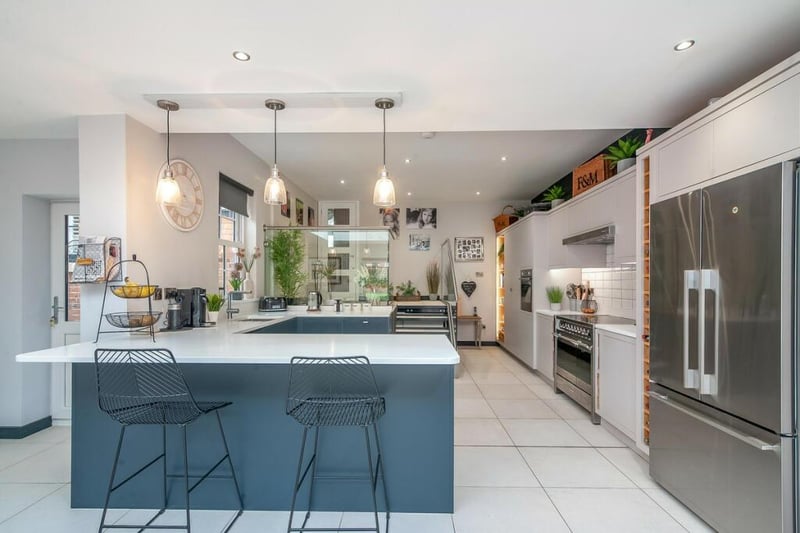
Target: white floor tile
421, 523
480, 432
492, 467
467, 390
574, 467
14, 451
612, 511
542, 433
522, 409
595, 434
495, 378
502, 510
678, 511
568, 409
544, 392
631, 465
506, 392
52, 514
485, 365
261, 522
472, 408
530, 379
462, 375
14, 497
50, 466
201, 521
52, 435
361, 520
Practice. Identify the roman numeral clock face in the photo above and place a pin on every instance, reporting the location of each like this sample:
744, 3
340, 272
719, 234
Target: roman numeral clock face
187, 214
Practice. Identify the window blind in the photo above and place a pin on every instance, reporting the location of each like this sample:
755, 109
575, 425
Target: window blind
233, 195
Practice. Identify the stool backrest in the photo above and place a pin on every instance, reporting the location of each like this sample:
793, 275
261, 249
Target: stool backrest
129, 379
330, 377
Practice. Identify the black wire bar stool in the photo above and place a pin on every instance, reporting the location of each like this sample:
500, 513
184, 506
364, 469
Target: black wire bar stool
330, 392
147, 387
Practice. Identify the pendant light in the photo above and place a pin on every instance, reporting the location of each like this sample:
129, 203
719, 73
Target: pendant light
383, 195
168, 192
275, 189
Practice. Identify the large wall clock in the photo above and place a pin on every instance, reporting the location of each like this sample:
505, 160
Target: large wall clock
187, 214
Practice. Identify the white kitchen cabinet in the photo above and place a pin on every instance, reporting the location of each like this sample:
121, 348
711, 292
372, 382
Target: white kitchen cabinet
623, 203
556, 231
616, 381
684, 162
762, 127
544, 345
519, 246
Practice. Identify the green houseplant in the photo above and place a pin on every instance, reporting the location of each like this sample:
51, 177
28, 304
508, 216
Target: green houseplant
554, 295
213, 305
375, 279
623, 155
433, 276
555, 195
406, 292
286, 251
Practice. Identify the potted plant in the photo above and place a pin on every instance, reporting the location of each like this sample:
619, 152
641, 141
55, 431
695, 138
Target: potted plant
555, 195
375, 279
406, 292
623, 155
433, 276
286, 250
214, 303
235, 280
555, 295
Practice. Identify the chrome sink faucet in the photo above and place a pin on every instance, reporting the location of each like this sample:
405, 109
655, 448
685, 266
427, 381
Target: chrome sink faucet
230, 311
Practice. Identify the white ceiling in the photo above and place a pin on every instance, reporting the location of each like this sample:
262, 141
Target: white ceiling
461, 66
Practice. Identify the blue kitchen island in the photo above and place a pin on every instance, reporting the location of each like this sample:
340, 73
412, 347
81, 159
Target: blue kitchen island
414, 372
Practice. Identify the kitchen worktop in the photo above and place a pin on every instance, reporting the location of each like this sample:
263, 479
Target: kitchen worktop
550, 312
628, 330
229, 343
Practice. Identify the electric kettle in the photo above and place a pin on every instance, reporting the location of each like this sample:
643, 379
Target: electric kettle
314, 301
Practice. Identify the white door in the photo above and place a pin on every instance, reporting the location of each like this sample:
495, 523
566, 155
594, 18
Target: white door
65, 297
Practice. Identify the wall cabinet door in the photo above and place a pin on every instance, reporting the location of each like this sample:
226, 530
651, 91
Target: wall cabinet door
684, 162
556, 231
623, 203
544, 345
762, 127
616, 381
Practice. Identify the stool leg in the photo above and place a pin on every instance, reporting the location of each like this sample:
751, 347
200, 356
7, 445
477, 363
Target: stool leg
382, 471
372, 479
313, 476
186, 477
164, 460
297, 478
111, 481
230, 463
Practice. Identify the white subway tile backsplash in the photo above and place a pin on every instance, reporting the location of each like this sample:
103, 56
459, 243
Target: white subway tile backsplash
614, 288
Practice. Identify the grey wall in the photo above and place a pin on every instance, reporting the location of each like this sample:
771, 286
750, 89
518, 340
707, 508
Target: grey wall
46, 169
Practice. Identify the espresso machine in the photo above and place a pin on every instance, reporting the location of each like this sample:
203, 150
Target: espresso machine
186, 308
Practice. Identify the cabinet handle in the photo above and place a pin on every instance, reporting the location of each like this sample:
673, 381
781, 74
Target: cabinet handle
365, 321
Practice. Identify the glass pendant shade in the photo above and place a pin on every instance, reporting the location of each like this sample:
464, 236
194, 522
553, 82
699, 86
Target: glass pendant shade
275, 189
168, 192
383, 196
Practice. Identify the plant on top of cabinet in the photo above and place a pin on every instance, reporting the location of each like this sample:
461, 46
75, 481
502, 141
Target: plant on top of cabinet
433, 276
623, 155
555, 195
406, 292
286, 250
554, 295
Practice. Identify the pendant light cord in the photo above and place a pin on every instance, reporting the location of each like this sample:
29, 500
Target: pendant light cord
384, 137
168, 164
275, 134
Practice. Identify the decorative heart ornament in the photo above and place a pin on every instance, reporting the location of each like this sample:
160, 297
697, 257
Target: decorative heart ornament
468, 287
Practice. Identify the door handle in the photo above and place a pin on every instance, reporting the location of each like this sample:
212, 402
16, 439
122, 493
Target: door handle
755, 442
709, 283
55, 307
691, 282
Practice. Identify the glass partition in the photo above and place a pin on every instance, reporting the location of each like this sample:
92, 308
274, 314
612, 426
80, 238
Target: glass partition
351, 264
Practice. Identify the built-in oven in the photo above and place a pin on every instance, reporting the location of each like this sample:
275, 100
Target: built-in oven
574, 362
526, 289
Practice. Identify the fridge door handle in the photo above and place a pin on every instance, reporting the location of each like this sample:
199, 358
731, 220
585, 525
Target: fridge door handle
709, 283
691, 282
747, 439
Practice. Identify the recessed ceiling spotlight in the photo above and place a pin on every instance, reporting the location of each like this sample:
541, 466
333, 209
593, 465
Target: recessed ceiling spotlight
683, 45
503, 158
478, 193
408, 193
408, 161
341, 181
239, 55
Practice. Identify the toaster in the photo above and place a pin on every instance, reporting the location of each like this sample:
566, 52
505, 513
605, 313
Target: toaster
272, 304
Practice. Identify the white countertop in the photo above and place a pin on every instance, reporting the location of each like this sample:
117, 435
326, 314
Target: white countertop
628, 330
227, 344
550, 312
376, 311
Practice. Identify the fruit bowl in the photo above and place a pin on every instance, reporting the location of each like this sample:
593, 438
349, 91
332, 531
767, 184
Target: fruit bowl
133, 291
133, 319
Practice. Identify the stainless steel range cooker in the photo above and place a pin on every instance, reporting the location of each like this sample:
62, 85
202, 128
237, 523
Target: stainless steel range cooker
575, 358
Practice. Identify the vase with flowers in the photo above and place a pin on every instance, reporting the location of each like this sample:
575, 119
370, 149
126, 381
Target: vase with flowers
235, 280
247, 262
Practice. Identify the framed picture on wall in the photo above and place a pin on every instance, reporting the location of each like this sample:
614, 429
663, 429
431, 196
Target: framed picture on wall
298, 204
286, 210
421, 217
469, 249
418, 242
312, 217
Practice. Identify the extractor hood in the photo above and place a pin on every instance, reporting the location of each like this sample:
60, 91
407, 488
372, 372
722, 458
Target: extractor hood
604, 235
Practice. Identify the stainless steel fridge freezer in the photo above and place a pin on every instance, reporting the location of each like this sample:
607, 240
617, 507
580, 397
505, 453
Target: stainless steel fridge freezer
723, 421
